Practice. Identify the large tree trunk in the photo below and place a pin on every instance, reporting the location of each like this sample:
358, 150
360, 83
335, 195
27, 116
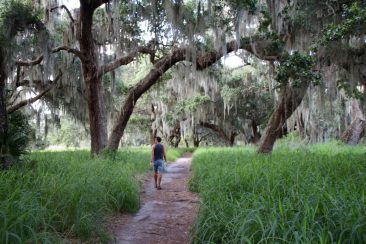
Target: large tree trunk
256, 135
186, 142
232, 138
3, 113
135, 93
196, 142
175, 134
290, 99
300, 125
94, 88
153, 131
3, 121
354, 132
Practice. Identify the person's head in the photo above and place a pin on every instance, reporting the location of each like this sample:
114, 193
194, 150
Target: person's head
157, 139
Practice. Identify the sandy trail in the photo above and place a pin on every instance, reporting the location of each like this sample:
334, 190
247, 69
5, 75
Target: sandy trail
166, 216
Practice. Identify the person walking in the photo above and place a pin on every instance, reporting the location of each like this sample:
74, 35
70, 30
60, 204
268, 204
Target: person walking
158, 155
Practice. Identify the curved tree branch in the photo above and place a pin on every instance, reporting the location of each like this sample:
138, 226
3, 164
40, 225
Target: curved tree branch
218, 130
94, 4
256, 46
23, 103
124, 60
39, 59
66, 9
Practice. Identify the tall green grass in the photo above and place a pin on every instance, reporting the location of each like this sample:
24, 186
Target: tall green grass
310, 194
62, 195
174, 153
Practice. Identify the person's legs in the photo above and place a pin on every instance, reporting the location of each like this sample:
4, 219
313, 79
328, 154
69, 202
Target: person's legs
159, 180
156, 166
156, 179
160, 173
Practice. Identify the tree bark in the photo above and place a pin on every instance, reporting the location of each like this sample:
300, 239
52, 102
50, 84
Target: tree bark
45, 127
232, 138
186, 142
175, 134
256, 135
153, 131
94, 87
355, 131
196, 141
3, 113
290, 99
135, 93
3, 120
300, 125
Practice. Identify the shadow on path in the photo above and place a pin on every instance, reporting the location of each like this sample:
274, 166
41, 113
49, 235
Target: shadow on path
167, 215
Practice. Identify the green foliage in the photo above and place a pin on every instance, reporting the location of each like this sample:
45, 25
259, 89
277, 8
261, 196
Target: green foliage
266, 20
355, 15
191, 104
276, 44
311, 194
174, 153
297, 68
139, 120
67, 195
15, 143
229, 94
250, 5
351, 90
16, 15
247, 89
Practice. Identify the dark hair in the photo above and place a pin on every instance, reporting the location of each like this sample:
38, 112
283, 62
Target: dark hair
158, 138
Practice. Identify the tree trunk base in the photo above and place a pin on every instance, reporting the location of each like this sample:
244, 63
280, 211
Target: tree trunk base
354, 132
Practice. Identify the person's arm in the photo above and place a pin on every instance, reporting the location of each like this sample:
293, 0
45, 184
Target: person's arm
164, 153
152, 154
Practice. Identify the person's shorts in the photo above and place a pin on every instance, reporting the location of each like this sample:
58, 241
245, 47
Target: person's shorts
159, 166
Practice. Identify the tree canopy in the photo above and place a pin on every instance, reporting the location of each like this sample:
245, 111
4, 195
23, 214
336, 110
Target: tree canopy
168, 67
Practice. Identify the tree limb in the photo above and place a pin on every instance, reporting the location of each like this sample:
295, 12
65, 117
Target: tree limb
256, 46
39, 59
217, 129
124, 60
30, 62
94, 4
66, 9
23, 103
27, 82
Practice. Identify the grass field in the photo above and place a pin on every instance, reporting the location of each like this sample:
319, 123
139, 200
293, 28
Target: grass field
66, 195
308, 194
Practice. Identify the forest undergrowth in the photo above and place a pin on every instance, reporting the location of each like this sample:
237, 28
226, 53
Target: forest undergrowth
60, 196
299, 194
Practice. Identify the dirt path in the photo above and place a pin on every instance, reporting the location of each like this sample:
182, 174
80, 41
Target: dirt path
167, 215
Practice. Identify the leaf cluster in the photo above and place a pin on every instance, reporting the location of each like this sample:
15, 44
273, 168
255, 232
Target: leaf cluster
16, 15
15, 143
297, 68
191, 104
354, 16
